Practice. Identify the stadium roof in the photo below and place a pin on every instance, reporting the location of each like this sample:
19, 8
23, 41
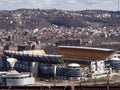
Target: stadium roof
34, 57
87, 48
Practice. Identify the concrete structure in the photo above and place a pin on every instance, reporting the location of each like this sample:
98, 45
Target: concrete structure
36, 57
83, 56
113, 62
14, 78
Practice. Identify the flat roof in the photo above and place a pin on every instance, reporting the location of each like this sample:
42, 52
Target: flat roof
26, 56
87, 48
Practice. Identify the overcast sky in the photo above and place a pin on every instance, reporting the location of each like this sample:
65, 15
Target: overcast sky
60, 4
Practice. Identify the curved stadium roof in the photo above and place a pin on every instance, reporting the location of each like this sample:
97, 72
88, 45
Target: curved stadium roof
34, 57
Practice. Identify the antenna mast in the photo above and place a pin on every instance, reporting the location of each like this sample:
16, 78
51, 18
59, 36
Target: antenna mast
86, 4
118, 5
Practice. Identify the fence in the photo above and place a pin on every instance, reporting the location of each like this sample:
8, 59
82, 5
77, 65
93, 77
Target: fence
61, 88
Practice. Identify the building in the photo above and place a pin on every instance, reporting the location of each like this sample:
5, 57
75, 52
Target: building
15, 78
69, 43
51, 66
29, 60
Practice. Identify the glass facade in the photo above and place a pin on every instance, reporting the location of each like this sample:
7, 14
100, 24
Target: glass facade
44, 70
114, 64
20, 66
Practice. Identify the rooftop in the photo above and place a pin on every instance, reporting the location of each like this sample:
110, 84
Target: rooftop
87, 48
37, 57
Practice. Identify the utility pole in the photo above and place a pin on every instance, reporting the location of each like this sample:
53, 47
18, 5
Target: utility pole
118, 5
86, 4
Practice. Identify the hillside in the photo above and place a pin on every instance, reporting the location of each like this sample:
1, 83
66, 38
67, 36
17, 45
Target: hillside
90, 27
32, 18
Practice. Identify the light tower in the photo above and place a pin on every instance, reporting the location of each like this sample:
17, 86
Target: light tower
86, 4
118, 5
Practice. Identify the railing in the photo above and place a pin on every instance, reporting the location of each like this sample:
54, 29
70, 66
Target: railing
61, 88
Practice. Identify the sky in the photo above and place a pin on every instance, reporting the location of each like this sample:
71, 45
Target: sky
111, 5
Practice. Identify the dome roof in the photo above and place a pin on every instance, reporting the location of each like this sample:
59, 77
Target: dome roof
73, 65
